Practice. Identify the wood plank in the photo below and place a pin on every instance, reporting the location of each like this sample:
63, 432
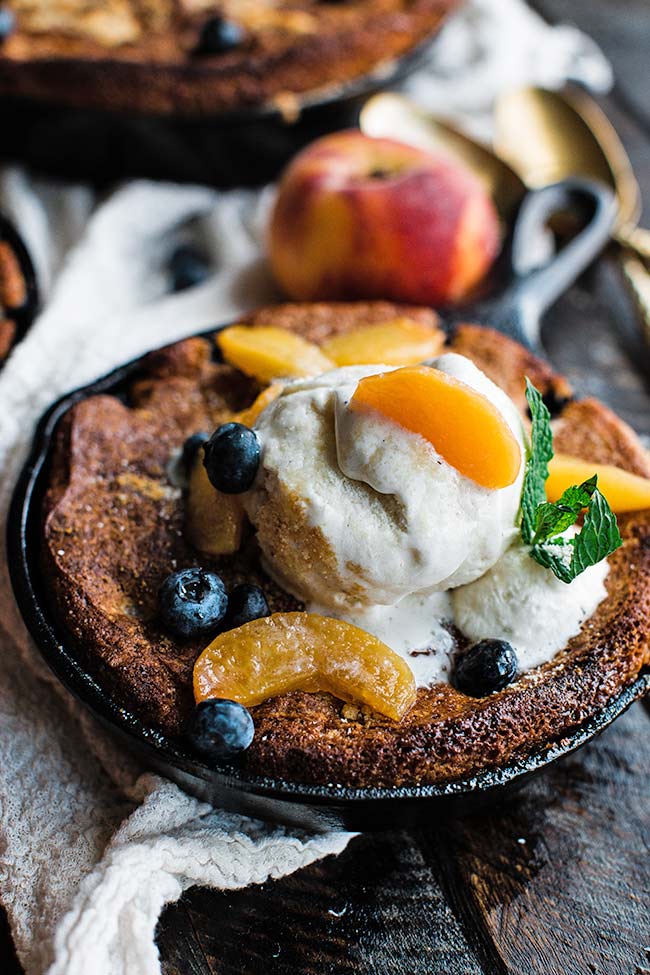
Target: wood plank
560, 876
553, 881
592, 336
377, 908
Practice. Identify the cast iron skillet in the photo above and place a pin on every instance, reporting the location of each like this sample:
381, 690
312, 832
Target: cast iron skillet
309, 806
23, 315
248, 147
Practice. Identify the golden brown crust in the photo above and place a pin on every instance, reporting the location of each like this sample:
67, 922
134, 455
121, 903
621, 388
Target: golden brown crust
318, 321
113, 530
589, 429
130, 56
507, 363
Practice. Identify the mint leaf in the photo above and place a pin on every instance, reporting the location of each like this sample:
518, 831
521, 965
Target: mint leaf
543, 522
540, 452
552, 518
556, 555
599, 537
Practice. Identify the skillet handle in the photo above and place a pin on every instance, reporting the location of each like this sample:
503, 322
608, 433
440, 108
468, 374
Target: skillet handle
518, 310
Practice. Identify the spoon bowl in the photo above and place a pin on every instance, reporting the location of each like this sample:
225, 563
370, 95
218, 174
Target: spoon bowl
547, 136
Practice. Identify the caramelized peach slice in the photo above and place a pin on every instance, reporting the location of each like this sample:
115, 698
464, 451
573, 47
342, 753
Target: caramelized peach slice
465, 428
401, 342
267, 352
303, 651
251, 413
214, 521
624, 491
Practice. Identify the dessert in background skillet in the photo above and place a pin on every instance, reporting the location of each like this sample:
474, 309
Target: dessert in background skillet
13, 295
378, 489
195, 58
18, 289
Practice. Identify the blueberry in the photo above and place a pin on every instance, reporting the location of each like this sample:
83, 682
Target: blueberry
7, 23
486, 667
192, 602
219, 35
220, 728
231, 458
190, 452
187, 268
245, 603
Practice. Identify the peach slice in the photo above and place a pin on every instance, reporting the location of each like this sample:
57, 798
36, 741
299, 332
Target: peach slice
267, 353
401, 342
251, 413
464, 427
303, 651
214, 522
624, 491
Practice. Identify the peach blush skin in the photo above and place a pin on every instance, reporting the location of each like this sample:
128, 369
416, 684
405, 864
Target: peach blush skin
357, 217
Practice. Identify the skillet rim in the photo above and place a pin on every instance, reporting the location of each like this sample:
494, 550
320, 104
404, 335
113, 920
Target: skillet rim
23, 536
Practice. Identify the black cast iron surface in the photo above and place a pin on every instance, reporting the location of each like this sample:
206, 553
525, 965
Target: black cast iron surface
313, 807
244, 148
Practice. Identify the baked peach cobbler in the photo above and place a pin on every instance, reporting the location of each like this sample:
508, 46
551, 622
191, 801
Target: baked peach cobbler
202, 57
337, 547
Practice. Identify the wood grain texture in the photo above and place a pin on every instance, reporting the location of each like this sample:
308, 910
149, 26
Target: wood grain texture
377, 908
560, 877
554, 882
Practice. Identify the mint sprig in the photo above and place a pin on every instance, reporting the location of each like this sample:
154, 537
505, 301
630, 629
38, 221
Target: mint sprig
540, 453
542, 521
599, 537
553, 518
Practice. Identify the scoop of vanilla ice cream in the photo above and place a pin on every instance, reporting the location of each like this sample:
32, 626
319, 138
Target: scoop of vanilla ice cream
520, 601
353, 510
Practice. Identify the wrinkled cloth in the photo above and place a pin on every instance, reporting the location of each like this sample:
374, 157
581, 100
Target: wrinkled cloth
91, 845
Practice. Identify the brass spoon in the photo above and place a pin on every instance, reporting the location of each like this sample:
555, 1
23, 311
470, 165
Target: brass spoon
547, 136
393, 116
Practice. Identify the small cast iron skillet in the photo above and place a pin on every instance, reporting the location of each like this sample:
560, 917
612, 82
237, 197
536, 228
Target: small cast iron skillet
247, 147
21, 315
309, 806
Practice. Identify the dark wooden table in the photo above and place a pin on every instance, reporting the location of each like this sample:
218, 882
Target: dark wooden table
555, 881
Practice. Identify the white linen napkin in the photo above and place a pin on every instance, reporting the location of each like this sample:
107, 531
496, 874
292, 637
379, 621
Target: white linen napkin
92, 848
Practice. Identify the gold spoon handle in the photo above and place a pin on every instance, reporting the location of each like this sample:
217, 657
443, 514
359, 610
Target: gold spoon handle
637, 240
637, 276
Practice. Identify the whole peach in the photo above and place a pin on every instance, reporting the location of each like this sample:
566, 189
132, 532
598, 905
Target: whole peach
358, 217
